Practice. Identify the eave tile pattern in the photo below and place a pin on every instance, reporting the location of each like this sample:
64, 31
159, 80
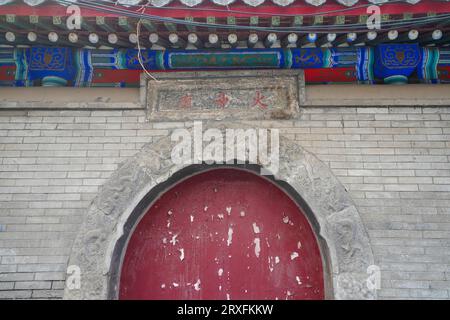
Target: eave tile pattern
192, 3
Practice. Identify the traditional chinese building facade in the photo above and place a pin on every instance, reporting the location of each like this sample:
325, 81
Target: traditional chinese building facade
351, 99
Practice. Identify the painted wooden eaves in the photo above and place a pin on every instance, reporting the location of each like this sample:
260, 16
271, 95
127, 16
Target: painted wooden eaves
192, 3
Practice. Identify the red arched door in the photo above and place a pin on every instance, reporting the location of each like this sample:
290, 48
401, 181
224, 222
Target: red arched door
223, 234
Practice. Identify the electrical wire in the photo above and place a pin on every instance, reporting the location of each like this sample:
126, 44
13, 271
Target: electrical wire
138, 31
316, 29
148, 5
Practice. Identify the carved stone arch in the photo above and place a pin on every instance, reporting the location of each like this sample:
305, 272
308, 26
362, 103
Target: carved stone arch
110, 220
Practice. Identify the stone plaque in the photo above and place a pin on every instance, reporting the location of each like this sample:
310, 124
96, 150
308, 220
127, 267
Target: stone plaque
246, 95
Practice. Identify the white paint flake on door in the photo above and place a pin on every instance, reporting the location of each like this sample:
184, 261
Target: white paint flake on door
230, 236
257, 243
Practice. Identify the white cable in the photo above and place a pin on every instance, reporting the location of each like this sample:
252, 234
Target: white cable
138, 32
326, 28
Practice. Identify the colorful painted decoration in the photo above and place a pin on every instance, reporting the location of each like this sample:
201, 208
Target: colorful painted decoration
428, 66
63, 66
203, 59
191, 3
395, 60
365, 64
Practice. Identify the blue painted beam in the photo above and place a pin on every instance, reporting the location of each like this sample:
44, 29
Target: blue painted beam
75, 67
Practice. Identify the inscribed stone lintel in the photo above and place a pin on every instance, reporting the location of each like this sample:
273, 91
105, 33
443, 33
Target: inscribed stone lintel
243, 95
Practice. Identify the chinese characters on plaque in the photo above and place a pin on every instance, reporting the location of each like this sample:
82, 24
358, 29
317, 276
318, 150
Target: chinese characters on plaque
226, 100
248, 95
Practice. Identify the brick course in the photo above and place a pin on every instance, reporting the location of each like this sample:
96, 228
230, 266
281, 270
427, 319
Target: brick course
395, 163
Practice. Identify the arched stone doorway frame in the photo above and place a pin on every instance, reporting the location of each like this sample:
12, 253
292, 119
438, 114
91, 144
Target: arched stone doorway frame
112, 216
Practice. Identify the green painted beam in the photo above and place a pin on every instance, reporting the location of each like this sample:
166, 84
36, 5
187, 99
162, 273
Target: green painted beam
407, 16
275, 21
231, 21
103, 24
211, 20
189, 27
297, 21
340, 20
149, 25
171, 27
59, 22
254, 21
37, 21
318, 19
124, 23
12, 19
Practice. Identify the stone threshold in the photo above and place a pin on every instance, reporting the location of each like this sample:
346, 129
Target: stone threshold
339, 95
351, 95
47, 98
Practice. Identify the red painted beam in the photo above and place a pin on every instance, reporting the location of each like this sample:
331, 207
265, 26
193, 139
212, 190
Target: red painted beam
7, 73
205, 10
116, 76
444, 73
330, 75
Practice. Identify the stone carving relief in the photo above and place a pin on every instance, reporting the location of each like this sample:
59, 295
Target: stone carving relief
112, 215
97, 247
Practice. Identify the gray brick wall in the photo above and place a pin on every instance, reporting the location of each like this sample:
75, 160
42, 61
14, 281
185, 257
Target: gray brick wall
395, 162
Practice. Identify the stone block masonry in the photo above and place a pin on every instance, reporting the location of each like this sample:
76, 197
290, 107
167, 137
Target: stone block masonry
394, 162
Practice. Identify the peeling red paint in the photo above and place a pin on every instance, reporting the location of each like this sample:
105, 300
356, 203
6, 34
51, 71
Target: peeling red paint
218, 263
